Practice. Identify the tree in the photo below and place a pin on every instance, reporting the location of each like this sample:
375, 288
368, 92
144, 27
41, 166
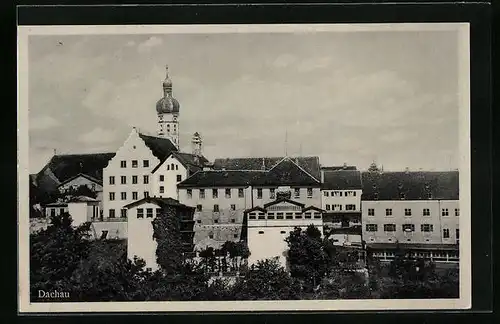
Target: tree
166, 232
306, 256
56, 252
267, 280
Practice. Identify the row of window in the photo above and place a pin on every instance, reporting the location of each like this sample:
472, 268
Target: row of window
149, 212
241, 194
408, 212
135, 179
123, 195
284, 216
211, 236
216, 208
135, 164
112, 213
335, 193
338, 207
281, 232
426, 228
216, 221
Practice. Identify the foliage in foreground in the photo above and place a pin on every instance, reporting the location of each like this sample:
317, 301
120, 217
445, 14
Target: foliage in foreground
64, 259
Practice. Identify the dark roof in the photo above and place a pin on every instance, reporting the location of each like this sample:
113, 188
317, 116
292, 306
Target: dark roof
159, 202
339, 167
67, 166
341, 180
161, 147
287, 173
441, 185
191, 161
219, 178
99, 181
310, 164
331, 216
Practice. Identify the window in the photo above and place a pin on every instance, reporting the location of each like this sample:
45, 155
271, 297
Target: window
228, 193
158, 212
354, 193
327, 206
350, 207
189, 193
149, 213
123, 213
407, 212
134, 179
171, 166
446, 233
162, 189
457, 233
457, 212
270, 215
52, 212
123, 196
176, 167
111, 180
426, 212
289, 215
309, 192
251, 216
134, 195
140, 213
198, 221
240, 193
297, 192
146, 179
325, 193
216, 208
336, 207
61, 211
233, 220
283, 232
402, 195
235, 235
262, 216
179, 178
317, 215
426, 227
123, 180
259, 193
371, 227
389, 227
146, 194
162, 177
123, 164
202, 193
215, 193
145, 163
272, 193
216, 221
111, 213
371, 212
134, 164
211, 235
168, 167
408, 227
261, 232
280, 215
444, 212
111, 196
199, 208
388, 212
233, 207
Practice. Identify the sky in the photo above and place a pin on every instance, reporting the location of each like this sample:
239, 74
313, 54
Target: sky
347, 97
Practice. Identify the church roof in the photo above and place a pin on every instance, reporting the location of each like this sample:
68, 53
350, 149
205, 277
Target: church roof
310, 164
287, 173
436, 185
161, 147
68, 166
341, 180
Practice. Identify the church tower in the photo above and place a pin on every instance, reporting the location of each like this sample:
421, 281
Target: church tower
167, 109
196, 143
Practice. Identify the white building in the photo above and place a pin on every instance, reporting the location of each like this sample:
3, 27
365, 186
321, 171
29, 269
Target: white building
269, 225
140, 228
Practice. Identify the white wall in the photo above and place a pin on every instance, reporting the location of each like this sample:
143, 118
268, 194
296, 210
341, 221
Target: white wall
170, 178
79, 213
341, 200
140, 236
81, 181
134, 148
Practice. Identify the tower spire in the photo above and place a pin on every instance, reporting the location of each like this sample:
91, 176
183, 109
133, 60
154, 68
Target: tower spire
167, 83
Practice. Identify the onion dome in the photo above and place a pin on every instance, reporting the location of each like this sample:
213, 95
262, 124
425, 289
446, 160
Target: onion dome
167, 105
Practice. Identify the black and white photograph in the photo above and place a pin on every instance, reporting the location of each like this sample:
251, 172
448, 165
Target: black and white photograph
249, 167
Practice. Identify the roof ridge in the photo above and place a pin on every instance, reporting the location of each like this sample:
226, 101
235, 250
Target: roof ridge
302, 169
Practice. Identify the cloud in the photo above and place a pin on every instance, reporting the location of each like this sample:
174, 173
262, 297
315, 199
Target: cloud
98, 136
43, 123
149, 43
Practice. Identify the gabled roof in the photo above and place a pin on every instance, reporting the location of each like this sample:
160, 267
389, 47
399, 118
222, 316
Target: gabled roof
161, 202
441, 185
219, 178
312, 208
254, 209
279, 201
190, 161
310, 164
161, 147
341, 180
67, 166
287, 173
98, 181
